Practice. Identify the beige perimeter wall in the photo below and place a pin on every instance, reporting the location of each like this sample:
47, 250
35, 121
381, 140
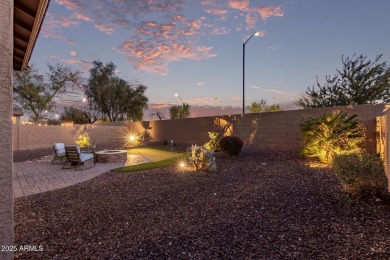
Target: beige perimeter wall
383, 142
263, 131
273, 131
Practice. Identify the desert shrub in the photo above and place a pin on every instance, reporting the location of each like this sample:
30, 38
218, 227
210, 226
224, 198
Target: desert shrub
213, 144
201, 158
332, 134
84, 141
231, 145
360, 174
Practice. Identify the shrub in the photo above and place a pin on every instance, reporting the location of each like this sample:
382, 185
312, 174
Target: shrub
84, 141
331, 134
360, 174
213, 144
231, 145
201, 158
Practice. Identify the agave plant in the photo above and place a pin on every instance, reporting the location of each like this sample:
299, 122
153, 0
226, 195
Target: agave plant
332, 134
201, 158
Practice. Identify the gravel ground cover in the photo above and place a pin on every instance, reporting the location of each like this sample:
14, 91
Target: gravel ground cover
261, 205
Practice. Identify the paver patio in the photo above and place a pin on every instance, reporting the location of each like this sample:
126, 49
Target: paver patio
37, 177
40, 176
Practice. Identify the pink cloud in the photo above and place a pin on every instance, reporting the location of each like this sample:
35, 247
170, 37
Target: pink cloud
154, 57
49, 34
237, 98
219, 12
268, 11
208, 2
84, 65
252, 14
162, 33
71, 4
53, 57
282, 93
104, 28
64, 21
161, 105
239, 5
73, 53
83, 17
52, 27
203, 100
200, 83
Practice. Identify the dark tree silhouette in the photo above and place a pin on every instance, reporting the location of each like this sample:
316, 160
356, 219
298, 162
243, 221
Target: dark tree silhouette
360, 81
35, 93
113, 96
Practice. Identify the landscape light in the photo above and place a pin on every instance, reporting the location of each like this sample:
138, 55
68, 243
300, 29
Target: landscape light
181, 165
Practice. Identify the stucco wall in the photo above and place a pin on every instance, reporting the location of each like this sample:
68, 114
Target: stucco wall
6, 67
273, 131
383, 144
28, 137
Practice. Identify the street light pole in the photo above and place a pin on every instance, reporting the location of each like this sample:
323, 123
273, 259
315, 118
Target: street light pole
243, 70
243, 78
177, 95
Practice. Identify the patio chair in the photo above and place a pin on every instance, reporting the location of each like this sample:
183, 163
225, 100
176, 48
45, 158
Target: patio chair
75, 157
59, 152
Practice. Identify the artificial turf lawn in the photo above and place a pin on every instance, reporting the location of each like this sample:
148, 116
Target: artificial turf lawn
160, 158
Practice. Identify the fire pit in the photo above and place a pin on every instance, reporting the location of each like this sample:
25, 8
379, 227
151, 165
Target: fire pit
111, 156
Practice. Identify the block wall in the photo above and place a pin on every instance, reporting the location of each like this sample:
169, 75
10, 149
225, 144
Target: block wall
273, 130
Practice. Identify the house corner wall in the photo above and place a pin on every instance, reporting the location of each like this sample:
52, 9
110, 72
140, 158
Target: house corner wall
6, 166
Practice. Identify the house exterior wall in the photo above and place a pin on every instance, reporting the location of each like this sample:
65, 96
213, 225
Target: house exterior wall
6, 166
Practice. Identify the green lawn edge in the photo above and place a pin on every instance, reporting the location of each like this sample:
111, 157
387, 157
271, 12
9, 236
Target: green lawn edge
164, 149
149, 165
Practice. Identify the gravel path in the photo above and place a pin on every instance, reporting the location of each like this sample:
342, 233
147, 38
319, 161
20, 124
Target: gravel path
258, 206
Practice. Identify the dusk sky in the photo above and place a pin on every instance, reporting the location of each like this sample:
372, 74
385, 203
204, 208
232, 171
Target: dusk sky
194, 48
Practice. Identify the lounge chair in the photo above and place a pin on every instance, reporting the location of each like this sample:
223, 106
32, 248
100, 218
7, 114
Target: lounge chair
75, 157
59, 152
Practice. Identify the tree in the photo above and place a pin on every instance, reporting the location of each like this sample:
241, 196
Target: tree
91, 112
360, 81
179, 112
35, 93
257, 107
273, 108
75, 115
158, 114
113, 96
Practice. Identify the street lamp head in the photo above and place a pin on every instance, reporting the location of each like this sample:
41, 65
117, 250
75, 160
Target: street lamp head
176, 95
257, 34
84, 99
